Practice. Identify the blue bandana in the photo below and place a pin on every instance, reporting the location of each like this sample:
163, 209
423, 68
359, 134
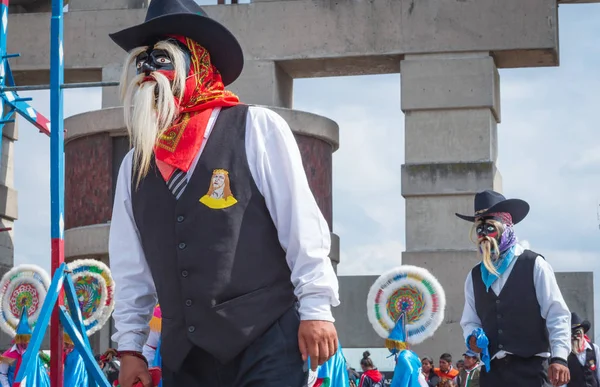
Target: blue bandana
501, 265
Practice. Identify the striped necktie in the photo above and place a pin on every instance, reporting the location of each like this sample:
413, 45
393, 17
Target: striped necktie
177, 183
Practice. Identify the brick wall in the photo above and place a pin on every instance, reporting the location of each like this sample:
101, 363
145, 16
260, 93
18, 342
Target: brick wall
88, 180
317, 156
92, 165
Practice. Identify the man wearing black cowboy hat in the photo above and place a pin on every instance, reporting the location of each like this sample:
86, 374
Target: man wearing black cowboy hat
513, 297
583, 359
214, 215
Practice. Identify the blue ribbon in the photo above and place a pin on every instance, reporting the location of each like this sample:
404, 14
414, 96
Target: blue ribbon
504, 262
482, 343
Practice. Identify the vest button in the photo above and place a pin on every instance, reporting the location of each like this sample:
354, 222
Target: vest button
182, 246
497, 301
191, 329
500, 331
500, 346
188, 302
180, 218
184, 273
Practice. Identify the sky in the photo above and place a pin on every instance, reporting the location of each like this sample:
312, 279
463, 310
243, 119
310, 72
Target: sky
549, 155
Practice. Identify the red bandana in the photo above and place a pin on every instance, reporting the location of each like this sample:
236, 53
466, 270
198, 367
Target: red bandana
204, 91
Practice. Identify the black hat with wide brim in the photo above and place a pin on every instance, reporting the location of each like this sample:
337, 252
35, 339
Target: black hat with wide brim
186, 18
488, 202
577, 322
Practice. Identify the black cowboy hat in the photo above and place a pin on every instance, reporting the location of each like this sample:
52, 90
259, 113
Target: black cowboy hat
577, 322
186, 18
489, 201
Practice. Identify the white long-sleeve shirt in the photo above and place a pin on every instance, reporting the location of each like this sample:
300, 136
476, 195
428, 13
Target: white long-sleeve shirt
276, 167
4, 374
151, 346
552, 307
581, 358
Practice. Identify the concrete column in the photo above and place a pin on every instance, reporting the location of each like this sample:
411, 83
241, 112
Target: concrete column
264, 83
110, 95
8, 196
452, 105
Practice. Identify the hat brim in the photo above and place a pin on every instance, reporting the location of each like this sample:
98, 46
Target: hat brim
225, 51
517, 208
585, 324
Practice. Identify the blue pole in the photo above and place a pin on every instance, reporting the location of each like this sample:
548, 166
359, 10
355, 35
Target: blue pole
3, 61
57, 182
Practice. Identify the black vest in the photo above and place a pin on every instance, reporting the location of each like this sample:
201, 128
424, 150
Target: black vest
512, 320
583, 376
220, 272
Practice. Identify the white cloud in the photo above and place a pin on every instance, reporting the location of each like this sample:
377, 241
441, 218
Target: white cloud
371, 259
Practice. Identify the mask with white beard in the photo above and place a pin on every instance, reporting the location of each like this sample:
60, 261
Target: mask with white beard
495, 236
577, 341
151, 98
488, 232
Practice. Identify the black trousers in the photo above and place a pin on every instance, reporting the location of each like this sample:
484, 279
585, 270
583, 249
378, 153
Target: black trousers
273, 360
516, 371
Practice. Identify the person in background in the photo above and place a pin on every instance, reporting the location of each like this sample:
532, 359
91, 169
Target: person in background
515, 289
427, 370
460, 365
371, 377
468, 376
583, 359
446, 372
353, 376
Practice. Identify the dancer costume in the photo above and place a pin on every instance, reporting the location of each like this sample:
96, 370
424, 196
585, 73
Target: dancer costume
223, 223
94, 287
406, 306
524, 290
334, 373
22, 293
152, 347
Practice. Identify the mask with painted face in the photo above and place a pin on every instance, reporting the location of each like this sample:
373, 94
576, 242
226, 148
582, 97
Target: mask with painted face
578, 341
175, 83
495, 235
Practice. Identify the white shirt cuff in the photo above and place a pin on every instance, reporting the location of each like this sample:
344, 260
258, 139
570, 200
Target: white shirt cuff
560, 352
315, 308
132, 341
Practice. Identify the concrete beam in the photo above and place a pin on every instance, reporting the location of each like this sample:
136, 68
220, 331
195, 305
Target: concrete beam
518, 33
92, 5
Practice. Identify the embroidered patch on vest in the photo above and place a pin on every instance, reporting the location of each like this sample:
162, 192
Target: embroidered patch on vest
219, 193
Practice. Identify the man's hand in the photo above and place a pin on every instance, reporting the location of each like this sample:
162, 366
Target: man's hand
133, 370
558, 374
473, 344
317, 340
